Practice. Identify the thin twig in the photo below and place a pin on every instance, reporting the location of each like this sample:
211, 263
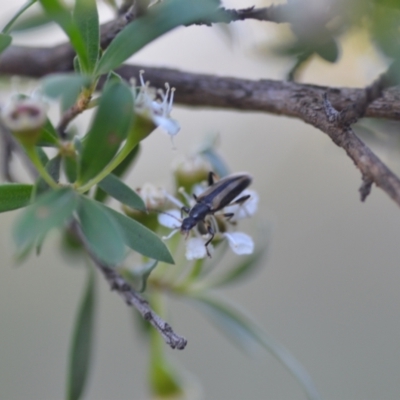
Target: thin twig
274, 13
130, 296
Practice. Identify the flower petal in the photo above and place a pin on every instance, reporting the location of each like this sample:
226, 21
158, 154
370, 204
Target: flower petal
169, 125
195, 249
240, 243
170, 219
246, 209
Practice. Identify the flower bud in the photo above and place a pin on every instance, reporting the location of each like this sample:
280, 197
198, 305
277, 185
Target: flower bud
154, 199
25, 118
191, 171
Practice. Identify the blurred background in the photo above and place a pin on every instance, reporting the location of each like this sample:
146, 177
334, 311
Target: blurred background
327, 289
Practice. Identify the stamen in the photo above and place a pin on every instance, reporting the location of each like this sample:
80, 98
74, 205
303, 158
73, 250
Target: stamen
173, 200
172, 233
141, 72
188, 199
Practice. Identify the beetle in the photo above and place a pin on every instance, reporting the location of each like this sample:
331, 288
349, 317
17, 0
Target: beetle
217, 196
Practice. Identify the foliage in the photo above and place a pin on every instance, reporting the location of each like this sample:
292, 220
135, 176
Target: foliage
86, 170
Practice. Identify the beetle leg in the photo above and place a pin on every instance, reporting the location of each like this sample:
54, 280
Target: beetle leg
184, 209
211, 180
212, 233
228, 216
241, 200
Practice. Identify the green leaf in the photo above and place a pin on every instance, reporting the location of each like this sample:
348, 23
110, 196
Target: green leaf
141, 239
121, 192
71, 168
53, 168
245, 333
109, 128
17, 15
50, 211
102, 232
218, 164
164, 380
82, 342
328, 50
62, 16
87, 20
129, 160
14, 195
32, 19
157, 21
5, 41
140, 275
49, 136
66, 86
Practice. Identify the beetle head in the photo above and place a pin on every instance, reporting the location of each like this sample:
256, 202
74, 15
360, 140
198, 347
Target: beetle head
187, 224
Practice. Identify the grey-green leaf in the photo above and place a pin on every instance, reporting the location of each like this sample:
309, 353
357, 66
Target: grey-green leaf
158, 20
112, 185
102, 232
143, 274
62, 16
53, 168
245, 333
129, 160
82, 342
141, 239
109, 128
65, 86
87, 20
49, 136
24, 7
49, 211
5, 41
14, 195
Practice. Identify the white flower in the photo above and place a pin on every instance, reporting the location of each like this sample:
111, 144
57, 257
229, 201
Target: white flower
153, 196
158, 111
170, 219
24, 113
196, 249
240, 243
246, 209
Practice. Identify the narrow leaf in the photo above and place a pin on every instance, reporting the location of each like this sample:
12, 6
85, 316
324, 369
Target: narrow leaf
14, 195
87, 20
62, 16
140, 275
121, 192
109, 128
218, 164
53, 168
244, 332
5, 41
49, 136
101, 195
71, 168
141, 239
50, 211
82, 342
158, 20
66, 86
102, 232
18, 14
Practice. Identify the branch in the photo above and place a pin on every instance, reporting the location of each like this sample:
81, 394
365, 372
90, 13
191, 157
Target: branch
131, 297
301, 101
275, 13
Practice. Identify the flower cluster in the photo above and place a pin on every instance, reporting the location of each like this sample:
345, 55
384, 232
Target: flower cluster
239, 242
157, 110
